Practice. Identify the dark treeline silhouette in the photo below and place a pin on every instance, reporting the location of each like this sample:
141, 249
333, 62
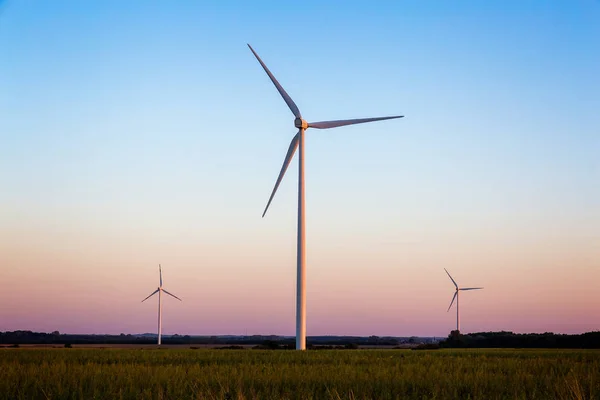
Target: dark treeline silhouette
268, 341
590, 340
28, 337
548, 340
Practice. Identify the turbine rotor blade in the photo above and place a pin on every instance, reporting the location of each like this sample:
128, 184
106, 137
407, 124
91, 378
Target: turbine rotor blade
453, 281
452, 302
286, 97
152, 294
160, 273
344, 122
471, 288
171, 294
286, 163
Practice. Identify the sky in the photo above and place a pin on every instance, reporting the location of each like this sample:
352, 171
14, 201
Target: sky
137, 133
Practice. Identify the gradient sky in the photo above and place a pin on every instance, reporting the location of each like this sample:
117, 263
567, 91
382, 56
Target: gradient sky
136, 133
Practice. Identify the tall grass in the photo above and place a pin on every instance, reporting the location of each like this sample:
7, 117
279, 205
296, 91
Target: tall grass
256, 374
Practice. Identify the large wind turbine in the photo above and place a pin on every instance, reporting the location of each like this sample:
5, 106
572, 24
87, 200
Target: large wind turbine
456, 297
160, 290
298, 141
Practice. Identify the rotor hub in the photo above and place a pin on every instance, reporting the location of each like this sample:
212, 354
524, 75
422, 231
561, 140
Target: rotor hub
300, 123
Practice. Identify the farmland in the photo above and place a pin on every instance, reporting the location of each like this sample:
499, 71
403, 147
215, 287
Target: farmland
29, 373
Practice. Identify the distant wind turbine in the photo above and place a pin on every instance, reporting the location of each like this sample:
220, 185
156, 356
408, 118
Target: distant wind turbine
159, 291
298, 141
456, 297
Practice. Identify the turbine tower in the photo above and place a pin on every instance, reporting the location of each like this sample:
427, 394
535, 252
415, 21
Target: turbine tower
160, 290
456, 297
298, 142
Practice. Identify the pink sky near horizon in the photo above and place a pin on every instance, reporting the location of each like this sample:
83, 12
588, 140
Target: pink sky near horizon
92, 280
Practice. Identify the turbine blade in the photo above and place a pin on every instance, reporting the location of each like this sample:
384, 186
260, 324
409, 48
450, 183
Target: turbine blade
286, 97
160, 273
152, 294
471, 288
452, 302
453, 281
171, 294
344, 122
286, 163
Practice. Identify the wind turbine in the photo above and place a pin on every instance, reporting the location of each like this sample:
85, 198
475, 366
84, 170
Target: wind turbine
456, 297
298, 142
160, 290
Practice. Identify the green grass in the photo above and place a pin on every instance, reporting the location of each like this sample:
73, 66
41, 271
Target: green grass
327, 374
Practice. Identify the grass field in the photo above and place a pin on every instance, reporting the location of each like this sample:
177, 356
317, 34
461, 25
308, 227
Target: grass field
324, 374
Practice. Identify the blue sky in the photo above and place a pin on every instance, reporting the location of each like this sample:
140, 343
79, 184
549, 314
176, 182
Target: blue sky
147, 130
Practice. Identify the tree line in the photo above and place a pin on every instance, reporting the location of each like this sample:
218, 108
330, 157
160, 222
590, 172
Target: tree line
29, 337
548, 340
